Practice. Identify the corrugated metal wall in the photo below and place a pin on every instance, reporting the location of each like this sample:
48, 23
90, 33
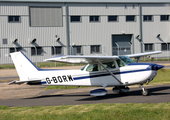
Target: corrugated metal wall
152, 29
100, 33
45, 36
84, 33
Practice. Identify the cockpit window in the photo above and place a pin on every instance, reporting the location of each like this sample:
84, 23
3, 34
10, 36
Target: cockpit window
124, 60
91, 68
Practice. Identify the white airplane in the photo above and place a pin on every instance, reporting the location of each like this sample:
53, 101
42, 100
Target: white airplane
115, 71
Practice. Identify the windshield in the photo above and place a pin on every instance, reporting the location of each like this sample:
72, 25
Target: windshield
83, 68
126, 60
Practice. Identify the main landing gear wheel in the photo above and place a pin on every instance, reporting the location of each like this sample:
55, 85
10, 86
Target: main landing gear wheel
122, 90
144, 91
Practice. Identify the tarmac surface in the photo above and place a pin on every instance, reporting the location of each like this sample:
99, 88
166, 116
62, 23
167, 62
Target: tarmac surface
158, 94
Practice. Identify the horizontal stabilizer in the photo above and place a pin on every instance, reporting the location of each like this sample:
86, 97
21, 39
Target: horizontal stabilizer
22, 82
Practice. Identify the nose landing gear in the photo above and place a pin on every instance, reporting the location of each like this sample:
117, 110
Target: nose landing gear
144, 91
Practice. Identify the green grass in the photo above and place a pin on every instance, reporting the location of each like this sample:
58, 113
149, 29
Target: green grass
52, 64
7, 66
105, 111
40, 65
163, 77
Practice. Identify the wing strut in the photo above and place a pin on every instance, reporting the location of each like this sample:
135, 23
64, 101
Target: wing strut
110, 72
138, 58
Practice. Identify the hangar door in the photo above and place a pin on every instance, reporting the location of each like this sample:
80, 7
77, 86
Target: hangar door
121, 44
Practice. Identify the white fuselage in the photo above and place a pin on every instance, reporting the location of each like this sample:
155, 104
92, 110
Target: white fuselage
134, 74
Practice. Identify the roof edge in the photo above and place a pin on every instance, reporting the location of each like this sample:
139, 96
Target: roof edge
89, 1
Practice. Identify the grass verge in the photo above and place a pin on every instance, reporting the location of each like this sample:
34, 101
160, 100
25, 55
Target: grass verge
129, 111
40, 65
162, 77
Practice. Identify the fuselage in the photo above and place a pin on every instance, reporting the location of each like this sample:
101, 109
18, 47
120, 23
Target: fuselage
106, 71
135, 73
117, 71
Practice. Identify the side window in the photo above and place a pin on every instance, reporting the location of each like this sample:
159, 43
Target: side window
109, 65
91, 68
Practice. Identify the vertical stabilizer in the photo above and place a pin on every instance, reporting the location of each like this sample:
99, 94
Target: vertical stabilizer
25, 68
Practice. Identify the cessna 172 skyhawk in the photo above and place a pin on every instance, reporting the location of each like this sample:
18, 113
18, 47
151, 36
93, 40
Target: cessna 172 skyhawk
116, 71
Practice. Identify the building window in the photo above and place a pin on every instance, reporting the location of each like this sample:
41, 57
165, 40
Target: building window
165, 46
94, 18
112, 18
95, 49
165, 18
14, 19
39, 51
11, 50
56, 50
4, 41
148, 47
147, 18
75, 18
77, 50
130, 18
46, 16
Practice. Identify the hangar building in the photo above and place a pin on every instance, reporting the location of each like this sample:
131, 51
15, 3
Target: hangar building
45, 28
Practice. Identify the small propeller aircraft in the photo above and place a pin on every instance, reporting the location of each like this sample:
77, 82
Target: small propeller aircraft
118, 72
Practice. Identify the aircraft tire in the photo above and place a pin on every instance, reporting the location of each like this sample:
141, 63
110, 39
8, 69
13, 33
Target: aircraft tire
145, 92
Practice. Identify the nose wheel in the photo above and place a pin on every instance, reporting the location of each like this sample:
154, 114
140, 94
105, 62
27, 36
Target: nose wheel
144, 91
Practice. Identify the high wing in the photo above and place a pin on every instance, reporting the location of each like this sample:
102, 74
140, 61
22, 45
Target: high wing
94, 59
144, 54
139, 55
81, 59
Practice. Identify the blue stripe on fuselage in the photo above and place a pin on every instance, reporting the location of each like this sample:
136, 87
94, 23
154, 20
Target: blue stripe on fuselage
141, 64
107, 74
43, 82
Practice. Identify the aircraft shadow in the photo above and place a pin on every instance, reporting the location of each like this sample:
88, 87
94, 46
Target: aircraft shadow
61, 95
86, 96
134, 93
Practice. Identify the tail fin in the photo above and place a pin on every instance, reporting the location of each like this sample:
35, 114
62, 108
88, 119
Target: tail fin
25, 68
